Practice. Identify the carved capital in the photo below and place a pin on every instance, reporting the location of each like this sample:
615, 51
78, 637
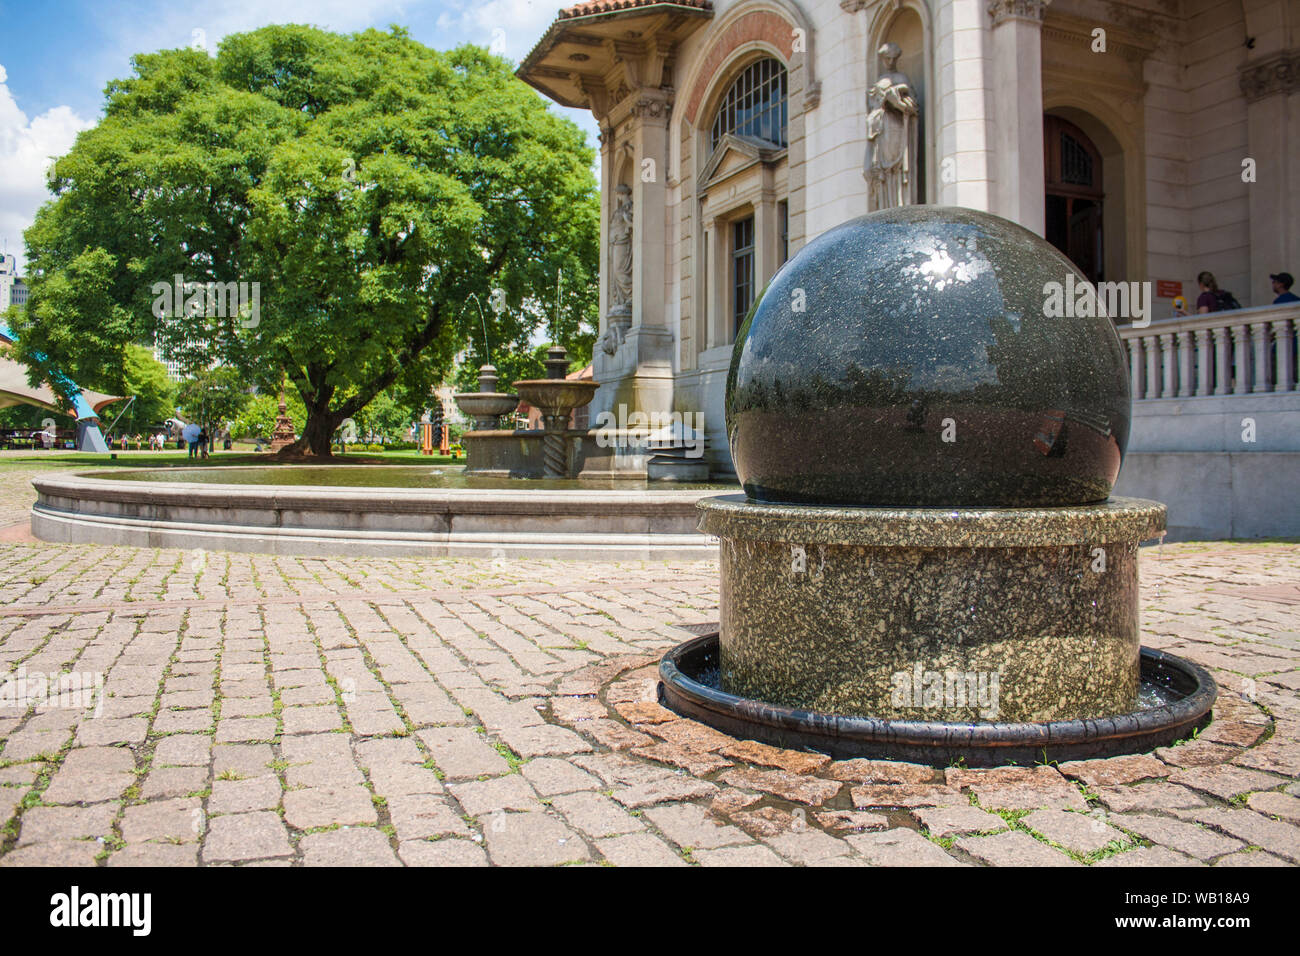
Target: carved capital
1279, 73
812, 96
1004, 10
853, 6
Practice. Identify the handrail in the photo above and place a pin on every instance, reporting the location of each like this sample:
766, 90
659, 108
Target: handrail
1235, 352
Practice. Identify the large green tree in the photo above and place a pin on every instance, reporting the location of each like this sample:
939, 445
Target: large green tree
368, 185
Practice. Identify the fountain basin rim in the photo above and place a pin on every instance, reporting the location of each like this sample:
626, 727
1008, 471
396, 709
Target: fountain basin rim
941, 742
737, 516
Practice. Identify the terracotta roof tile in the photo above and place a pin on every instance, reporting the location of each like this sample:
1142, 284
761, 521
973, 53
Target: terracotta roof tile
593, 7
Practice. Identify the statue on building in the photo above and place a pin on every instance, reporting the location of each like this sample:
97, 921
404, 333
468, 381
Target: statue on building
893, 117
619, 316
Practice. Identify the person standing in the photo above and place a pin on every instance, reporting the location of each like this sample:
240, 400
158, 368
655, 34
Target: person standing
1282, 283
203, 443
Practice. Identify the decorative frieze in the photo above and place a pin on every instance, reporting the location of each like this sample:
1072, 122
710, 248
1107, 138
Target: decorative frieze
1003, 10
1279, 73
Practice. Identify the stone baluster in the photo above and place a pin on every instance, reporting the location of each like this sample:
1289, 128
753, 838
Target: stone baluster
1262, 370
1168, 355
1152, 389
1222, 361
1134, 347
1203, 361
1241, 359
1184, 364
1283, 357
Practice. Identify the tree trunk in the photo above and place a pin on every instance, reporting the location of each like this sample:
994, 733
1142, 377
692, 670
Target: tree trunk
317, 434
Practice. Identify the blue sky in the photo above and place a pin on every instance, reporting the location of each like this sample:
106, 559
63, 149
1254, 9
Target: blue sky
57, 56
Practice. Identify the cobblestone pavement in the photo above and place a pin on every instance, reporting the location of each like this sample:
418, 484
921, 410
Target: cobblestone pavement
275, 711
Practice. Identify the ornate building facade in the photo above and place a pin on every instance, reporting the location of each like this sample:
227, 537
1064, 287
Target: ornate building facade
1147, 139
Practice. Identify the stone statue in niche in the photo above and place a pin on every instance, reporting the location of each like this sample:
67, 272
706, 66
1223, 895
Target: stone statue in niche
893, 117
619, 315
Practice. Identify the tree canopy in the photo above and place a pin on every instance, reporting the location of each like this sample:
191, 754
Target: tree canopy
350, 193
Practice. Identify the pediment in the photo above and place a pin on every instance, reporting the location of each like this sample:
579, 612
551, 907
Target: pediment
736, 153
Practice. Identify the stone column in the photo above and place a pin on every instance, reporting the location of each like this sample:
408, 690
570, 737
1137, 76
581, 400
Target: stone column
1260, 332
1016, 89
1271, 86
1184, 364
1151, 344
1167, 352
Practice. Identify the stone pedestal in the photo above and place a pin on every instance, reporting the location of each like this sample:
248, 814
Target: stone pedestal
1002, 614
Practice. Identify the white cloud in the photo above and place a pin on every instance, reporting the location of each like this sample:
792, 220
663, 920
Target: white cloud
507, 27
26, 149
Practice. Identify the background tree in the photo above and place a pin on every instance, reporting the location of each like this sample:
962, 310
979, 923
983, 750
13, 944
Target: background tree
213, 397
367, 183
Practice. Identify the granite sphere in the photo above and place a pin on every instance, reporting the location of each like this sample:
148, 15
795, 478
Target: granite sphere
928, 356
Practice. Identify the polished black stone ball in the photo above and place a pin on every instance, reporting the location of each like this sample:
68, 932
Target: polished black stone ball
928, 356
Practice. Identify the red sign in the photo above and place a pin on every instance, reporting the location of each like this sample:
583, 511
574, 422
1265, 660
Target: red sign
1166, 289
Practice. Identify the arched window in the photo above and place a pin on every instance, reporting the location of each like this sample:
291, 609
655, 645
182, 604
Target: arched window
755, 105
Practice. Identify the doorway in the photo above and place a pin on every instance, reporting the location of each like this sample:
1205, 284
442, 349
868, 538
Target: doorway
1075, 198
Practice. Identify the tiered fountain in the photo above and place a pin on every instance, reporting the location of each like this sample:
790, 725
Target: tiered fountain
525, 453
926, 564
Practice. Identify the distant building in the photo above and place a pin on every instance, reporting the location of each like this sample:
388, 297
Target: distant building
13, 290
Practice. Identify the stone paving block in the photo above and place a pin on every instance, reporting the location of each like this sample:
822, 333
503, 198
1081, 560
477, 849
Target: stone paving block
907, 795
112, 730
1252, 858
245, 836
809, 847
481, 797
155, 854
53, 853
739, 857
243, 796
697, 763
639, 849
91, 774
663, 790
596, 815
851, 821
242, 760
21, 774
1147, 856
1280, 805
1082, 833
1018, 788
259, 706
1147, 796
1196, 753
1275, 755
545, 740
953, 821
689, 825
449, 853
763, 755
1276, 837
182, 721
51, 824
532, 838
421, 816
1187, 838
880, 771
797, 788
325, 806
172, 821
308, 720
462, 754
550, 776
1013, 848
245, 729
899, 847
1114, 771
771, 821
1225, 782
362, 846
396, 779
30, 744
174, 782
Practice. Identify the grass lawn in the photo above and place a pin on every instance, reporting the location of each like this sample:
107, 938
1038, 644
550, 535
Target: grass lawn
179, 458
